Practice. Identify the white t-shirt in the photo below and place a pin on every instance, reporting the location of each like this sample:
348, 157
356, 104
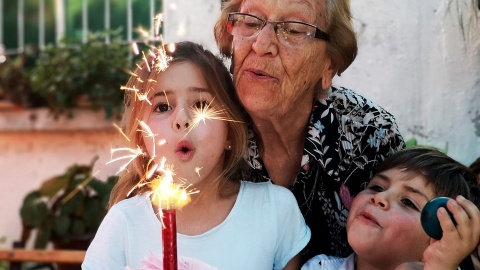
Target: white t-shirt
264, 230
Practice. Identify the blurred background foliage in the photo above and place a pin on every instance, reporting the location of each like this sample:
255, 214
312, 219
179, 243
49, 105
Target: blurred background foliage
96, 19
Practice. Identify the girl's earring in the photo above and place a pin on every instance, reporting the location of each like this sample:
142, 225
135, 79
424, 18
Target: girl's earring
229, 147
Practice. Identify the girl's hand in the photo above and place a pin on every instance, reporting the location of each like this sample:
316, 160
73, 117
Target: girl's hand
457, 241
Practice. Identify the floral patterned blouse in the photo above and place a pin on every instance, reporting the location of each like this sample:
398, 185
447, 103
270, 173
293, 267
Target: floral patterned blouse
348, 136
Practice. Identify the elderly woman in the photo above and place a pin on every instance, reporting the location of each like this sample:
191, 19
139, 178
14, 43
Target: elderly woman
322, 142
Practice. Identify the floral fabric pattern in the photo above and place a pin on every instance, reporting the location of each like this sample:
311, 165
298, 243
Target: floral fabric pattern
348, 136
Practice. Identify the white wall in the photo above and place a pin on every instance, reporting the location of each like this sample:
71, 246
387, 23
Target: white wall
191, 20
414, 62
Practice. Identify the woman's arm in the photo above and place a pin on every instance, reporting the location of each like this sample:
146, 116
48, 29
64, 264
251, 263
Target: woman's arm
294, 263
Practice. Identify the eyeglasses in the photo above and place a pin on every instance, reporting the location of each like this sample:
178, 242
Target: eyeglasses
288, 32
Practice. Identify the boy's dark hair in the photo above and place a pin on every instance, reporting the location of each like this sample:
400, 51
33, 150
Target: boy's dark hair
475, 186
475, 167
448, 177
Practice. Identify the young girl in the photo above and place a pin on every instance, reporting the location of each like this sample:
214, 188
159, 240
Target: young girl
383, 225
229, 224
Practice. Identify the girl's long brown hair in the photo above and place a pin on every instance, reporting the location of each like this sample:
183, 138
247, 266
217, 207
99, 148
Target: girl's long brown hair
219, 83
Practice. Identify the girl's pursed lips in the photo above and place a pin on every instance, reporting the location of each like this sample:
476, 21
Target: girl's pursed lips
185, 150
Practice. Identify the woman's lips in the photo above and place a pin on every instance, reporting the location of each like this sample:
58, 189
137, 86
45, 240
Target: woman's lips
258, 74
184, 150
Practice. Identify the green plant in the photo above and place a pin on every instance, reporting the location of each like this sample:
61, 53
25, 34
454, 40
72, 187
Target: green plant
93, 71
412, 142
68, 206
15, 84
13, 80
4, 265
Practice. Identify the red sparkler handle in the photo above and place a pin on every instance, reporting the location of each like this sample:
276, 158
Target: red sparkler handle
169, 238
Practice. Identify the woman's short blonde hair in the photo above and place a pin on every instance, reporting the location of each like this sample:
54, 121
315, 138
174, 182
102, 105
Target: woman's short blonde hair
341, 48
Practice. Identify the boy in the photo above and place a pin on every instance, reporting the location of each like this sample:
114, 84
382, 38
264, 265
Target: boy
383, 224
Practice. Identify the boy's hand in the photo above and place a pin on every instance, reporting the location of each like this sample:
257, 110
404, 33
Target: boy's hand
457, 241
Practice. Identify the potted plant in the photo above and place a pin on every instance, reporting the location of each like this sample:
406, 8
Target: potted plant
66, 208
71, 73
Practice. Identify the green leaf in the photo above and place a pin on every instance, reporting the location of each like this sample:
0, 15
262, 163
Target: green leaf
72, 205
112, 180
78, 227
34, 210
52, 186
43, 237
94, 214
32, 196
101, 188
44, 234
61, 225
411, 143
93, 68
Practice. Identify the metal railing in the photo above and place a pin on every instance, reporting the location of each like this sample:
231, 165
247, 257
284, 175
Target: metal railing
60, 22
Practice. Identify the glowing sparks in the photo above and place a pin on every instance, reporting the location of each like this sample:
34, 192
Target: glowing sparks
119, 129
171, 47
135, 48
143, 33
133, 89
146, 129
197, 170
166, 194
158, 20
134, 153
162, 60
144, 97
207, 112
146, 62
140, 96
151, 171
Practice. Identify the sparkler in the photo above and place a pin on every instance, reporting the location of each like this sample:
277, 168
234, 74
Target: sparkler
169, 197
